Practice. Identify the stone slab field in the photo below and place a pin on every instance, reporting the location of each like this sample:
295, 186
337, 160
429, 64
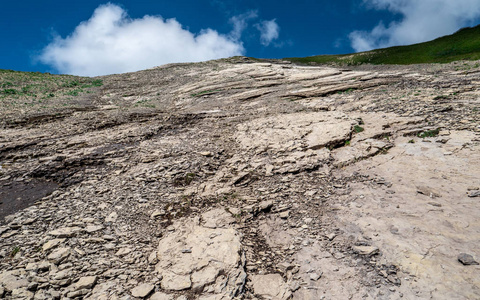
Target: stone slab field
241, 179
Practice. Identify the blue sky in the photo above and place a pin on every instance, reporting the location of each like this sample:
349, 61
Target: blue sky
99, 37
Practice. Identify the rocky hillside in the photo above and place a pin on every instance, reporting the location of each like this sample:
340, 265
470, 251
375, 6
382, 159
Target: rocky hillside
240, 179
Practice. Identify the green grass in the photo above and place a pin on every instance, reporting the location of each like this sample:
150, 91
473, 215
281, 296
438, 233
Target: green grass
462, 45
75, 92
10, 92
41, 90
441, 97
358, 129
429, 133
144, 103
93, 83
347, 91
14, 252
72, 83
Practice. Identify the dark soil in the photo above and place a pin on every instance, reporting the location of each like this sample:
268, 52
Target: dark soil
15, 196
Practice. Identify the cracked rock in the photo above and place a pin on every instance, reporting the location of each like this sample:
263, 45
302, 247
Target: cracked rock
213, 252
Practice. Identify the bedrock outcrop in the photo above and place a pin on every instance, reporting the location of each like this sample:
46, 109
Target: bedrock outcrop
240, 179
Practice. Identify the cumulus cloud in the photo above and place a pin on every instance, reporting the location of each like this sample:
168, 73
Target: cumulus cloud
422, 20
110, 42
269, 31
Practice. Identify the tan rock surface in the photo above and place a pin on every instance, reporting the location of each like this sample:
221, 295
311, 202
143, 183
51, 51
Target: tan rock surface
196, 256
240, 179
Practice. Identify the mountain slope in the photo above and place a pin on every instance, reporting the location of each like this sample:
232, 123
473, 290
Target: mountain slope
462, 45
234, 179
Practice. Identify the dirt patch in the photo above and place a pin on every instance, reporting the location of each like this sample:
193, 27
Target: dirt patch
15, 196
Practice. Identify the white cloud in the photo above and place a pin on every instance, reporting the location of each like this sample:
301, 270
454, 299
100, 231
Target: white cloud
269, 31
110, 42
422, 20
240, 23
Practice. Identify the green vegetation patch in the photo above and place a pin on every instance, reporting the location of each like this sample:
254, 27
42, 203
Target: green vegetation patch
429, 133
14, 251
74, 92
441, 97
10, 92
40, 91
358, 129
347, 91
462, 45
72, 83
144, 103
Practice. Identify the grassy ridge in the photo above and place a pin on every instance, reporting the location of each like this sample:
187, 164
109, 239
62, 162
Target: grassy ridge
22, 92
462, 45
42, 85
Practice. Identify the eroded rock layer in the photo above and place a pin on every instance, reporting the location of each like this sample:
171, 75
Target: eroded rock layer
239, 179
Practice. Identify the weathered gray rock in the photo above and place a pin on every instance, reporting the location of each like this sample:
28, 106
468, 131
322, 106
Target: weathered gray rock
467, 259
473, 194
38, 266
427, 191
315, 276
203, 277
124, 251
52, 244
111, 217
365, 250
102, 291
32, 286
65, 232
175, 282
93, 228
4, 229
62, 274
22, 293
32, 267
210, 252
143, 290
152, 258
314, 130
157, 213
270, 286
161, 296
84, 283
78, 293
59, 255
284, 214
331, 236
265, 205
217, 218
42, 295
11, 282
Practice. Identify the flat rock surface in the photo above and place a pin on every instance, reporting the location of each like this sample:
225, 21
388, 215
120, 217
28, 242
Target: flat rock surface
202, 258
270, 286
240, 179
143, 290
